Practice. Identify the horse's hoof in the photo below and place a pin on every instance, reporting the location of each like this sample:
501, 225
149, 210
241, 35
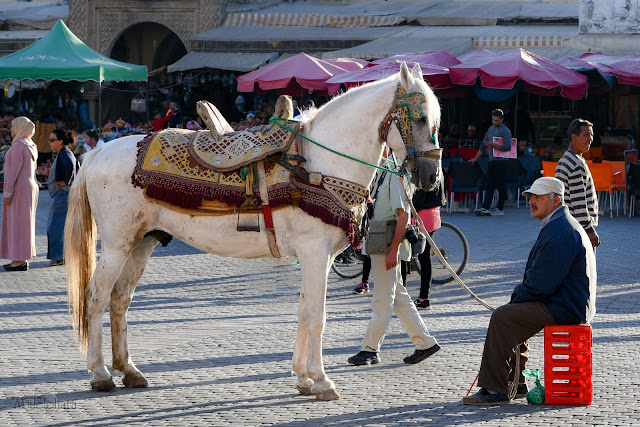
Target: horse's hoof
326, 395
135, 381
104, 386
305, 391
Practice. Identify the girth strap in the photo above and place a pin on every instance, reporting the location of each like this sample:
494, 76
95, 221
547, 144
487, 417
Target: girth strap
297, 170
266, 211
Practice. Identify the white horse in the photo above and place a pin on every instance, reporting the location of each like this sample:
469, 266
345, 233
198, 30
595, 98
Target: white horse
103, 200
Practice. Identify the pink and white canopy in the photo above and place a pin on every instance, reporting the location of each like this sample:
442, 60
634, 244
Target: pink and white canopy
438, 77
502, 71
625, 68
293, 75
441, 58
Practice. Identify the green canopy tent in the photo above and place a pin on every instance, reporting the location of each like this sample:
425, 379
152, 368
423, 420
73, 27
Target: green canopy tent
60, 55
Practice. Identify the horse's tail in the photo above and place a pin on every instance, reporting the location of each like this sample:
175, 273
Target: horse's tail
80, 240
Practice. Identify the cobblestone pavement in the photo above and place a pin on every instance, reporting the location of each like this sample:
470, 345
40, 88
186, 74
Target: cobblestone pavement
214, 337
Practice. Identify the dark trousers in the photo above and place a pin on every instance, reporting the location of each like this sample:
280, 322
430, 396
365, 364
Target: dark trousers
55, 225
366, 268
511, 326
425, 271
405, 268
496, 173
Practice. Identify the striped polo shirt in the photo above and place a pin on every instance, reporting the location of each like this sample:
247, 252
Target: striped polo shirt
579, 192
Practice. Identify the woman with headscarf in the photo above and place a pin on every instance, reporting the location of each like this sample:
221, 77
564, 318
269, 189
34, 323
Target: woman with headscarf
20, 197
63, 171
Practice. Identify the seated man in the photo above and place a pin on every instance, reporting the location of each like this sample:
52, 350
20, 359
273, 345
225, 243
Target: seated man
559, 288
556, 150
471, 140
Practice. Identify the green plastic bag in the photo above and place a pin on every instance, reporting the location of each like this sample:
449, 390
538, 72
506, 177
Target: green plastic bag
536, 394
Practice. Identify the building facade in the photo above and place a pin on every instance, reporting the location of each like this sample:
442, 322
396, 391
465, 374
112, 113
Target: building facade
144, 32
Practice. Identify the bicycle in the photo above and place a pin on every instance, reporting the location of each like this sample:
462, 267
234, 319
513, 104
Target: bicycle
449, 239
348, 264
453, 246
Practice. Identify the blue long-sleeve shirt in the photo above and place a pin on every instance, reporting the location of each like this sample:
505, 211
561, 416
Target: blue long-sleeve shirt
561, 271
62, 169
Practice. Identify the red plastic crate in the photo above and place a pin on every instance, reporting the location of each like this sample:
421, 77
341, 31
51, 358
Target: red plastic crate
568, 365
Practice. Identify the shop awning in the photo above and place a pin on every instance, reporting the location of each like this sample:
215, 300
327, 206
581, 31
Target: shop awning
234, 61
60, 55
389, 46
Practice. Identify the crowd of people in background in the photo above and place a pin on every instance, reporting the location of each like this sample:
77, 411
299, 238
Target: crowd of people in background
39, 150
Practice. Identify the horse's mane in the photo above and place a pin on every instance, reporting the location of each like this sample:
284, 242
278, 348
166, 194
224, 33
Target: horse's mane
345, 97
432, 113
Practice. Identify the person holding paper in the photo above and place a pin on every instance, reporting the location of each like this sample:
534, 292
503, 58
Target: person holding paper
498, 138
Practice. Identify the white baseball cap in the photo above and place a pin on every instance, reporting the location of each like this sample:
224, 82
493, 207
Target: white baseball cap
545, 185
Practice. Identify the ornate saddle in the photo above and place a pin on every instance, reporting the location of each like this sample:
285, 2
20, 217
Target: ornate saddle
215, 172
189, 169
213, 119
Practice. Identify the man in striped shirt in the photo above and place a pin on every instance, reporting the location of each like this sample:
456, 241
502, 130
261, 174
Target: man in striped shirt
579, 191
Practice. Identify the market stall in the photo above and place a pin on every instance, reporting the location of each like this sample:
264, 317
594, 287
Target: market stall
60, 55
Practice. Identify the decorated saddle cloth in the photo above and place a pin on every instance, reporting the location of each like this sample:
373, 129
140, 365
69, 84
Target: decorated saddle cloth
169, 172
186, 168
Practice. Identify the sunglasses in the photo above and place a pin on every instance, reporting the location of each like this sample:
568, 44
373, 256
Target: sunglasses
53, 139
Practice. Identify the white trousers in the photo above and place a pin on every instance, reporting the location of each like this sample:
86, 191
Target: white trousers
389, 296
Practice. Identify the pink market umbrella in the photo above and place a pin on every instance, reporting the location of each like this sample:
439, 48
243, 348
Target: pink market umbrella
503, 70
597, 74
290, 76
438, 77
476, 55
349, 64
625, 68
441, 58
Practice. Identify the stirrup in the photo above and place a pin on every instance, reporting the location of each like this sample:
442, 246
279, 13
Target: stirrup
244, 227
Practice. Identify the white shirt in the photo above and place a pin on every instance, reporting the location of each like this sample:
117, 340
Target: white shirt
99, 144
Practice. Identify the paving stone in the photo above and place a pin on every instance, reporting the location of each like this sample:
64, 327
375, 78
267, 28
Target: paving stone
214, 336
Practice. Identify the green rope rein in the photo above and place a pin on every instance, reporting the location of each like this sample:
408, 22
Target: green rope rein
277, 120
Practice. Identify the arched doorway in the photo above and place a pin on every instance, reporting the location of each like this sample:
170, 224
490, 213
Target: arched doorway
146, 43
150, 44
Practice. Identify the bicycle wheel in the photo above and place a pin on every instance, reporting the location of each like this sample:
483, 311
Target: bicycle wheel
455, 249
348, 264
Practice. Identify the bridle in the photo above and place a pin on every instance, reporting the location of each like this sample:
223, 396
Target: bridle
406, 109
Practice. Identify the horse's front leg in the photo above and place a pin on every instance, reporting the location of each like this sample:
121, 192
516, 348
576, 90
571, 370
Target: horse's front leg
120, 301
303, 383
315, 267
97, 299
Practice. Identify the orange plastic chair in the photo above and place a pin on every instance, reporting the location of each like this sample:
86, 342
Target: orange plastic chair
549, 168
594, 153
602, 174
619, 185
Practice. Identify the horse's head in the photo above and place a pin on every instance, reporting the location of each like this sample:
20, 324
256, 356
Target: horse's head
416, 115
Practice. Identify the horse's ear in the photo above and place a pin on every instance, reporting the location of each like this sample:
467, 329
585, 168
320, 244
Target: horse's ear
417, 72
406, 79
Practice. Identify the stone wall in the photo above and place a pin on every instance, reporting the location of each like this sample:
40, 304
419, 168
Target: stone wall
99, 23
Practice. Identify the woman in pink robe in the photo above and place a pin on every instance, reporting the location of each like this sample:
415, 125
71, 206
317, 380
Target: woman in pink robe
20, 197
